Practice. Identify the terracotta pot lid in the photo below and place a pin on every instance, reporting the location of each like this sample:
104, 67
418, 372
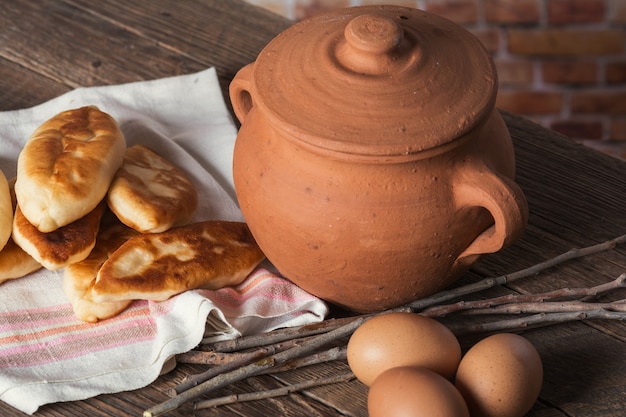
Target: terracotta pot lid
375, 81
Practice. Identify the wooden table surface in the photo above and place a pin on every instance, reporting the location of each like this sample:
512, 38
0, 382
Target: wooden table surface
577, 196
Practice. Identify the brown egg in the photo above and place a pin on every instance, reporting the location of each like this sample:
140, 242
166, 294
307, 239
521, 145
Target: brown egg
500, 376
415, 392
402, 339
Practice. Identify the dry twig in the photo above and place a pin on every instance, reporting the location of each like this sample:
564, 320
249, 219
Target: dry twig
211, 357
235, 363
443, 310
337, 353
252, 369
329, 331
276, 336
334, 354
549, 307
286, 390
536, 320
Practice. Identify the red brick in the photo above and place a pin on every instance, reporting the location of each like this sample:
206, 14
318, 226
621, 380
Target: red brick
577, 129
514, 73
313, 7
576, 11
616, 72
605, 101
530, 102
403, 3
618, 8
490, 38
276, 6
562, 42
512, 11
570, 72
459, 11
618, 130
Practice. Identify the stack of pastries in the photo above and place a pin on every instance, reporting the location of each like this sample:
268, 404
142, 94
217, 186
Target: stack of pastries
115, 219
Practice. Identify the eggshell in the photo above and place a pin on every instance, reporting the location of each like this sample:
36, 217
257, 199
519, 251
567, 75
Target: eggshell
402, 339
500, 376
415, 392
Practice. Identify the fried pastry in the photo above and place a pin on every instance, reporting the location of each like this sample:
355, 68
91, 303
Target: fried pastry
80, 277
63, 246
14, 262
66, 167
150, 194
209, 255
6, 210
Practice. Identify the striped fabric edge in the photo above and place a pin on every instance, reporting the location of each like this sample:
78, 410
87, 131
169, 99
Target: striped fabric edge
33, 337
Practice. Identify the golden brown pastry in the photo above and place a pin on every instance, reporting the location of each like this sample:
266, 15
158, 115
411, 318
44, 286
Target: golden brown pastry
14, 262
66, 167
150, 194
66, 245
79, 277
6, 210
210, 255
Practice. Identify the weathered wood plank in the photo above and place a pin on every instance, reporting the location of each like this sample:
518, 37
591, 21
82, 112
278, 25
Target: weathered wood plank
580, 192
119, 41
196, 29
579, 377
577, 196
335, 395
23, 88
101, 52
187, 27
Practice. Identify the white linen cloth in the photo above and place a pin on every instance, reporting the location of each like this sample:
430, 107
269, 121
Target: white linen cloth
46, 354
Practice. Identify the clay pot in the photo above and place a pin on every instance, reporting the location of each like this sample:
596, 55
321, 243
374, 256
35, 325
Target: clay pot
371, 165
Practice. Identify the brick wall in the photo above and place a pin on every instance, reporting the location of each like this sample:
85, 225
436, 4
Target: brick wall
561, 63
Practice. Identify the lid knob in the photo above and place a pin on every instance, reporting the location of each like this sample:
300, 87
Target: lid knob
371, 44
374, 34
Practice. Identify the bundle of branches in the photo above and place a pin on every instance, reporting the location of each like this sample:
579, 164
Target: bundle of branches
291, 348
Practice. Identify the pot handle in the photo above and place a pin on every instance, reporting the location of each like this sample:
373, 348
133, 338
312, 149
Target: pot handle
504, 200
239, 91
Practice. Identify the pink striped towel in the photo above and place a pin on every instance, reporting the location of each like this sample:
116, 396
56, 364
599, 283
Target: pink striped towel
46, 354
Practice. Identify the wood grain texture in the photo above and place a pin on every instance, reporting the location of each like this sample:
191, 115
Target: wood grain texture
577, 196
23, 88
